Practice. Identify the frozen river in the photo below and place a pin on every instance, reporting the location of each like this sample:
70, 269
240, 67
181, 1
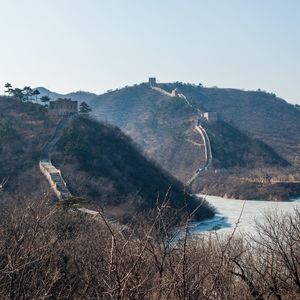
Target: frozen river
229, 210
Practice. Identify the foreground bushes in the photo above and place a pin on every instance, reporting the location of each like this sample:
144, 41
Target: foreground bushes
50, 253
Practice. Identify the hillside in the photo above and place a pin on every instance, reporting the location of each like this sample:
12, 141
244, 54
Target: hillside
160, 125
98, 162
263, 115
233, 148
246, 168
259, 127
24, 129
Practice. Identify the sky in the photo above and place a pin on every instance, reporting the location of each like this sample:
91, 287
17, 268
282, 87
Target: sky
96, 45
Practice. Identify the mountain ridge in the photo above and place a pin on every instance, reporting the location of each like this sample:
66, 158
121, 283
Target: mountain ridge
163, 125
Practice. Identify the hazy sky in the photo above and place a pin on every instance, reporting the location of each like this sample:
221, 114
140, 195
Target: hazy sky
95, 45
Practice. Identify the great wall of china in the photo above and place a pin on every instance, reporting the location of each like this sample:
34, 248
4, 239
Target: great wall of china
199, 128
55, 179
54, 176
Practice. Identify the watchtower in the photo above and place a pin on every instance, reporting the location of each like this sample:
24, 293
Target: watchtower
175, 92
152, 81
63, 107
209, 117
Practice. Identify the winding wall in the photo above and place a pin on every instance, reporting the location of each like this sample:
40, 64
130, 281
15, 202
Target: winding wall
200, 129
55, 179
54, 176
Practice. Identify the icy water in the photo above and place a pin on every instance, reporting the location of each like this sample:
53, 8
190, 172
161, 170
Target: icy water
229, 210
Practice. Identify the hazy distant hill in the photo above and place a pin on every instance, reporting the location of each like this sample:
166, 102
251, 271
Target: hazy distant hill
164, 129
78, 96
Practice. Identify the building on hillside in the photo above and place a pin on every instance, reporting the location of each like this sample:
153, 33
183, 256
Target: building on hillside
152, 81
63, 107
209, 117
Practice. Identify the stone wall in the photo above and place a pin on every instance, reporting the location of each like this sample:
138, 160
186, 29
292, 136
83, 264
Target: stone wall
55, 180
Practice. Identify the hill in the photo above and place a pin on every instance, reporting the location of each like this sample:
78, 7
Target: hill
261, 114
160, 125
76, 96
233, 148
97, 161
24, 129
259, 125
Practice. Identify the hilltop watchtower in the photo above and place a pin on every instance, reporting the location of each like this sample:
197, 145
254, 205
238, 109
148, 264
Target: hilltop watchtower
63, 107
152, 81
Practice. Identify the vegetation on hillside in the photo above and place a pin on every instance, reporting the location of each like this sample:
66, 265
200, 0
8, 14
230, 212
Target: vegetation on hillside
57, 254
24, 129
98, 162
160, 125
25, 94
232, 148
263, 115
258, 132
84, 108
101, 164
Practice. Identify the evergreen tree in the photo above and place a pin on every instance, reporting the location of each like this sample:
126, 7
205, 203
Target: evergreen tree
18, 94
36, 93
9, 88
45, 99
27, 91
84, 108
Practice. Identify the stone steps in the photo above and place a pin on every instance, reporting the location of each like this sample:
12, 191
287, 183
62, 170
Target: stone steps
55, 179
